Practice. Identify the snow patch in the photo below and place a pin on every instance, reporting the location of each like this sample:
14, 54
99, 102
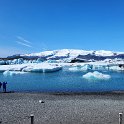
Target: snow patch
45, 53
104, 53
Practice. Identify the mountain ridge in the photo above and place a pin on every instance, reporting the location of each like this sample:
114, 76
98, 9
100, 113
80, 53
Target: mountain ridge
63, 52
64, 55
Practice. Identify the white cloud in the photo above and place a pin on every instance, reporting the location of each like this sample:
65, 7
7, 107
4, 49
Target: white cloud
23, 40
24, 44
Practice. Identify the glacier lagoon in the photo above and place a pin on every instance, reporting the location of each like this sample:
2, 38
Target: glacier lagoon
63, 81
76, 71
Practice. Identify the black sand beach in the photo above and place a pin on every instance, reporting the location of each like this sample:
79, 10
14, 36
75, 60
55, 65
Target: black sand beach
15, 108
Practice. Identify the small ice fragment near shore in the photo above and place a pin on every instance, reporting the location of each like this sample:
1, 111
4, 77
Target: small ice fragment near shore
96, 76
41, 101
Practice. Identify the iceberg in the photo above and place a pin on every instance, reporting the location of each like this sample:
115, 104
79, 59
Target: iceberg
16, 67
74, 69
15, 61
100, 67
42, 67
2, 62
11, 73
87, 67
116, 68
96, 76
31, 67
84, 67
97, 66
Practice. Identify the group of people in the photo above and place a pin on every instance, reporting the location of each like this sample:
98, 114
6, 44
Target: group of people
3, 85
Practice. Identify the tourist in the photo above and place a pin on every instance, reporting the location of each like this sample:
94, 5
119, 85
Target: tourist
0, 85
4, 86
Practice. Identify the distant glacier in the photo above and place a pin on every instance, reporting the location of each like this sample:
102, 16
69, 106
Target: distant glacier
64, 56
76, 60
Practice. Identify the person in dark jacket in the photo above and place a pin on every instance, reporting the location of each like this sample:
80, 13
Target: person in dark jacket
4, 87
0, 85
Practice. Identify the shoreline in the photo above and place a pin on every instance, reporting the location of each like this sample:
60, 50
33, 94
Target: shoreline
68, 93
56, 108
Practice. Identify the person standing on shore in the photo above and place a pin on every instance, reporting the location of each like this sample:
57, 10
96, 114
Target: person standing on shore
4, 87
0, 85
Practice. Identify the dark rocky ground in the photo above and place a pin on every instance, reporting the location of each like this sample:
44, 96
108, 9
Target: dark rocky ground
15, 108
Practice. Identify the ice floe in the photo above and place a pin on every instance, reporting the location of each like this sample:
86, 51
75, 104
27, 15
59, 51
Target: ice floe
96, 66
116, 68
96, 76
44, 67
74, 69
11, 73
32, 67
84, 67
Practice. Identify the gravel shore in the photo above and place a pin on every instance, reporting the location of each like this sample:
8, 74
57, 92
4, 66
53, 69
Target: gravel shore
15, 108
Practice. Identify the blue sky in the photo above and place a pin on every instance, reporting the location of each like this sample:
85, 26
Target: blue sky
36, 25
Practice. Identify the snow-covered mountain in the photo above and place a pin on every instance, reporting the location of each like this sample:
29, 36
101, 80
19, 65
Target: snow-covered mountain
68, 55
72, 53
65, 55
50, 61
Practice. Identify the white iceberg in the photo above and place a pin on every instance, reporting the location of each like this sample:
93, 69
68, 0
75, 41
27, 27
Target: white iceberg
96, 76
2, 62
42, 67
31, 67
16, 67
87, 67
11, 73
74, 69
100, 67
84, 67
116, 68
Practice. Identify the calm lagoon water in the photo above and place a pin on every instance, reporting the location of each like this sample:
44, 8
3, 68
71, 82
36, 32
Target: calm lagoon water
62, 81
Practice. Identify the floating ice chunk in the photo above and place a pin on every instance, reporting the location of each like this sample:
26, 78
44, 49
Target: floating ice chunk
81, 68
7, 73
2, 62
100, 67
15, 61
16, 67
51, 61
116, 68
42, 67
74, 69
11, 73
31, 67
96, 76
87, 67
